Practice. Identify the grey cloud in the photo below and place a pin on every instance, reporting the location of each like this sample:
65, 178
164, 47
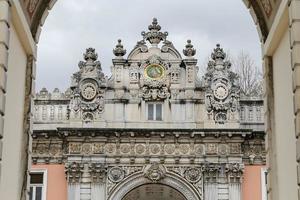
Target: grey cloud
74, 25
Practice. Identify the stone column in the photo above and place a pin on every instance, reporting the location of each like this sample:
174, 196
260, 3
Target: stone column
98, 177
294, 23
211, 173
4, 47
73, 174
85, 184
234, 175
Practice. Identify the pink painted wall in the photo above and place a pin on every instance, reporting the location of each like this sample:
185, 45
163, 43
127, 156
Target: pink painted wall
56, 181
251, 187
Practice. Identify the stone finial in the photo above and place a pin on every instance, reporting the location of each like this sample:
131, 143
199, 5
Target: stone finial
189, 50
154, 36
218, 53
90, 55
119, 51
154, 26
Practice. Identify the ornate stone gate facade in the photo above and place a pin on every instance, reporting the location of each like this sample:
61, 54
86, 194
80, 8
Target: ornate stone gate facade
154, 121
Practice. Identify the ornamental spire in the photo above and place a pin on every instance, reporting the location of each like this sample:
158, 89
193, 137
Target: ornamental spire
119, 51
189, 50
90, 55
154, 36
218, 53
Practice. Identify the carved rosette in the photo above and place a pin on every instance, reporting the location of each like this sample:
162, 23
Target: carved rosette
88, 88
193, 174
222, 91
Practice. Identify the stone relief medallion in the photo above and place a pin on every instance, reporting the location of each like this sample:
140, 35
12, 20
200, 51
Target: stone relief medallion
154, 148
125, 148
211, 148
222, 149
199, 149
140, 148
116, 174
154, 71
55, 149
193, 175
41, 148
98, 148
235, 148
88, 91
86, 149
169, 148
155, 172
75, 147
221, 91
110, 148
184, 148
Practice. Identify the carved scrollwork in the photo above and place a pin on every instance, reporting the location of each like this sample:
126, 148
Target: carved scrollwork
234, 171
88, 88
155, 172
222, 91
98, 172
73, 172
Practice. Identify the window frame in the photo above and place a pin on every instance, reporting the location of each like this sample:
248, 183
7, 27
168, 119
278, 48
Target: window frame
264, 194
43, 185
154, 111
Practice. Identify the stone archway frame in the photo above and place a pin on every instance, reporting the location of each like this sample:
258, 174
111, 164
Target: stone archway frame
138, 179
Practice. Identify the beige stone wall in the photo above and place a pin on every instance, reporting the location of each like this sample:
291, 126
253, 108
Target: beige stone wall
283, 134
13, 126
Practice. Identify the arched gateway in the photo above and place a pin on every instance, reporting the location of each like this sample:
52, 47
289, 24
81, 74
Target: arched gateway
154, 191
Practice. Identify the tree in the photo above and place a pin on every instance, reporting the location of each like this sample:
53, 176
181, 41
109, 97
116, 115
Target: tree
250, 76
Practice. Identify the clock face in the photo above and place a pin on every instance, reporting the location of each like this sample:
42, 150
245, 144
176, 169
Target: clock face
221, 91
154, 71
88, 91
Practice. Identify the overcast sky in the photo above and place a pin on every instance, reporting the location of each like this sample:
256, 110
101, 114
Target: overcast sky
74, 25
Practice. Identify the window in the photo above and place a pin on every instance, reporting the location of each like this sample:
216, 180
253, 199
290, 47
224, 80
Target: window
250, 114
37, 185
242, 114
154, 111
258, 114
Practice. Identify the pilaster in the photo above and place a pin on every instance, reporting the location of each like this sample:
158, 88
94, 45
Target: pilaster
4, 47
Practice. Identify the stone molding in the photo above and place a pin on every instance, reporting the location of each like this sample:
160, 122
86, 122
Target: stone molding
167, 147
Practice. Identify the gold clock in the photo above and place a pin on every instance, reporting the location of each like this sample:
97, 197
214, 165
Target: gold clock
154, 71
